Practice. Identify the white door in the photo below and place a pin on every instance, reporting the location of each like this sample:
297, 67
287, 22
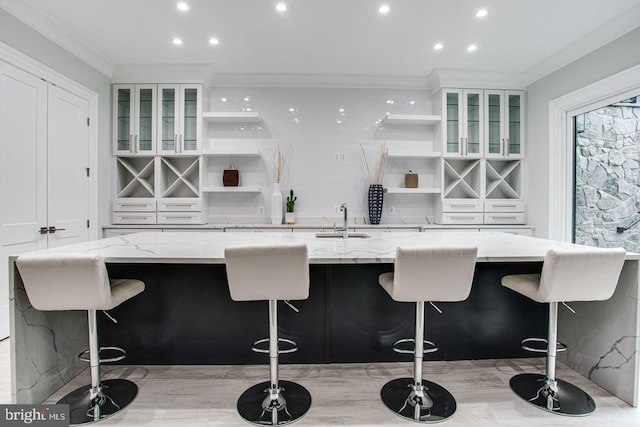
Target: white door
68, 160
23, 171
44, 155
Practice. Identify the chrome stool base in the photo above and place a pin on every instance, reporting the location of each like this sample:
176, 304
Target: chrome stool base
568, 400
400, 397
291, 402
116, 393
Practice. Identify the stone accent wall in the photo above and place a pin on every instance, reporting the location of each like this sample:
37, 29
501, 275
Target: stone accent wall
607, 176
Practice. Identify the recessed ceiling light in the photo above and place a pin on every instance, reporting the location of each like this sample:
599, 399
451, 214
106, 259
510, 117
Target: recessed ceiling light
472, 48
176, 41
481, 13
214, 41
281, 7
384, 9
246, 98
389, 101
182, 6
438, 46
412, 102
223, 99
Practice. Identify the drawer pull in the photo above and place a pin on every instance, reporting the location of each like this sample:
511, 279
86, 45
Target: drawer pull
504, 206
177, 205
503, 217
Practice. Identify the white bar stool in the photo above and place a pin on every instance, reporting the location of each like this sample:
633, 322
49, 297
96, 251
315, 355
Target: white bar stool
576, 274
425, 274
58, 281
270, 272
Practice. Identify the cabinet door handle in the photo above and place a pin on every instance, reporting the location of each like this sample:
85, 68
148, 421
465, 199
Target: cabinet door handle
131, 144
506, 146
181, 145
53, 229
175, 143
43, 230
135, 145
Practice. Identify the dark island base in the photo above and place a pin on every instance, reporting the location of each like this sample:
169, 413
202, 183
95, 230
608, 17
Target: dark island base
186, 316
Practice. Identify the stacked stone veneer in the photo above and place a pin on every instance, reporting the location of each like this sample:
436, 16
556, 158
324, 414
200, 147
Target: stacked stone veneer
607, 178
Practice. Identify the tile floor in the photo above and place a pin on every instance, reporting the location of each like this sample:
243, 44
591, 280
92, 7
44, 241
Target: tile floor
343, 394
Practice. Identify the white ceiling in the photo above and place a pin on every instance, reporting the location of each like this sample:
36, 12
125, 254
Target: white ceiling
527, 38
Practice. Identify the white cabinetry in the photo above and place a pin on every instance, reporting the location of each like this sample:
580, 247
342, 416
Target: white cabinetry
179, 119
463, 122
504, 129
134, 123
157, 134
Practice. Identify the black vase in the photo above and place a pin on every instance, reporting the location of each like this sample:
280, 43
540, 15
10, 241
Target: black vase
375, 203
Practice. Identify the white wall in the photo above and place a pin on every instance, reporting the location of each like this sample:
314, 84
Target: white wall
22, 38
614, 57
314, 124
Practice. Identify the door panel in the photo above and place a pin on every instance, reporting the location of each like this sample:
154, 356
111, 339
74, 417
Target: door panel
23, 169
68, 159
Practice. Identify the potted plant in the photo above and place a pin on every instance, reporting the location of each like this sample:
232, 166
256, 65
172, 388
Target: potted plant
290, 216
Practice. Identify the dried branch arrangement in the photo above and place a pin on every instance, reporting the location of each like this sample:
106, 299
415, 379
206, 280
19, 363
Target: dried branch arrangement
279, 161
384, 155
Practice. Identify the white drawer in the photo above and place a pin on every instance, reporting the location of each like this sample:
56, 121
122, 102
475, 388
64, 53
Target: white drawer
179, 204
134, 217
462, 218
506, 205
462, 205
504, 218
180, 218
134, 204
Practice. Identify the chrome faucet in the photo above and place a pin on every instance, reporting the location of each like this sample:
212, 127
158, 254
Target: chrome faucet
345, 230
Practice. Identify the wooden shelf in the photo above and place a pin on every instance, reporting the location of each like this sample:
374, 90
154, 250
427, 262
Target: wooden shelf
411, 119
231, 117
231, 189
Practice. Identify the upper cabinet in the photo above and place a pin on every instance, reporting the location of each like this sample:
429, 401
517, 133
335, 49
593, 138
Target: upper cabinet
134, 125
179, 124
462, 130
504, 130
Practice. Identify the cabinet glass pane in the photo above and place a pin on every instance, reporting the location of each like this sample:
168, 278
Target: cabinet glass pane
190, 117
168, 128
123, 132
493, 122
473, 123
145, 105
453, 118
514, 124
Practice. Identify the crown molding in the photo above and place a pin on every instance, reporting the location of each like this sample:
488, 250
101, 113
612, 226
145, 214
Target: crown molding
458, 78
26, 12
319, 80
163, 73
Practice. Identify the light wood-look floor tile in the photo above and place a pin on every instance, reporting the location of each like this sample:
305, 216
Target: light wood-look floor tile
343, 394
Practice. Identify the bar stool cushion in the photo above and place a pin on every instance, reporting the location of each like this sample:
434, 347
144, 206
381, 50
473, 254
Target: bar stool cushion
66, 281
431, 274
572, 274
268, 271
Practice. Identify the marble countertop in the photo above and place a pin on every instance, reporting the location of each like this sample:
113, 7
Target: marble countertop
201, 247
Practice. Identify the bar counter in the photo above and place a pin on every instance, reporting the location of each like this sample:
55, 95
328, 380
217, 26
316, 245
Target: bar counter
185, 315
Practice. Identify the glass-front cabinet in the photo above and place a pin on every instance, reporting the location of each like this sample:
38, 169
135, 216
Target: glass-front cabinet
134, 112
463, 123
504, 129
179, 111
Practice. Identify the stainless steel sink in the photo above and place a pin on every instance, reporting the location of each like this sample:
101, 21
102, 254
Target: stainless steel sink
338, 235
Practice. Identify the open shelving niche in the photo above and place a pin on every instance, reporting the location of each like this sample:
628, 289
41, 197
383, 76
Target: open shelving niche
238, 153
503, 179
179, 177
462, 179
135, 177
